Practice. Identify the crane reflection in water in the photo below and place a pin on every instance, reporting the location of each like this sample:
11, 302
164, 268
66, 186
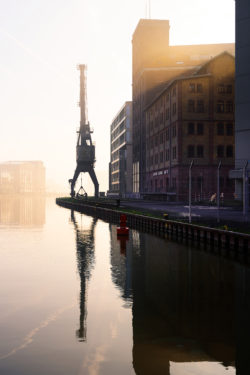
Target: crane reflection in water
85, 249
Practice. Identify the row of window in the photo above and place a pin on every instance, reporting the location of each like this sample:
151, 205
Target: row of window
199, 128
118, 119
159, 139
114, 166
220, 127
199, 107
195, 88
118, 142
159, 158
115, 177
225, 89
192, 152
193, 107
197, 182
198, 151
222, 89
192, 128
196, 106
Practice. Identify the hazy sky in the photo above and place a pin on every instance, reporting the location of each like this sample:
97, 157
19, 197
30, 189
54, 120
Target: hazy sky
42, 41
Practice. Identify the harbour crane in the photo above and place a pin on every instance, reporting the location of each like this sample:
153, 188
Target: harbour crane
85, 149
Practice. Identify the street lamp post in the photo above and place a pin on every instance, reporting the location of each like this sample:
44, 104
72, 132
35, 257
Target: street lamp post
245, 190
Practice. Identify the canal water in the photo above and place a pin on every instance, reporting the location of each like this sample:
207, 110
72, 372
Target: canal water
76, 300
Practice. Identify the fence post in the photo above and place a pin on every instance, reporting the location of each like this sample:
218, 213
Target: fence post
218, 192
190, 190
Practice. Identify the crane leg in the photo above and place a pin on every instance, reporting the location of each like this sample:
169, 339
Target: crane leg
95, 182
73, 182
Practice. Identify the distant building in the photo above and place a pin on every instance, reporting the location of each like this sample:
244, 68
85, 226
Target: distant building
155, 63
17, 177
242, 96
120, 167
192, 119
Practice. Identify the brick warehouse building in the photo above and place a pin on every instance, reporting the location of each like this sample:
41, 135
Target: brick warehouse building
154, 63
192, 119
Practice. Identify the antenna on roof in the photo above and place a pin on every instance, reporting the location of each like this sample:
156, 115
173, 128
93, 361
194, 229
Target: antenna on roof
148, 9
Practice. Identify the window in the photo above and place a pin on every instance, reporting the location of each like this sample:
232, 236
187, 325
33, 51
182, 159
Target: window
174, 108
161, 118
174, 131
174, 152
156, 140
191, 107
200, 106
174, 182
220, 106
190, 151
161, 157
155, 185
200, 128
220, 128
161, 138
199, 87
229, 89
174, 91
220, 151
200, 151
229, 151
167, 155
221, 89
229, 129
167, 134
229, 107
191, 87
167, 113
156, 158
190, 128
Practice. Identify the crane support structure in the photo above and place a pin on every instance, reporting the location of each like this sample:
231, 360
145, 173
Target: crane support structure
85, 149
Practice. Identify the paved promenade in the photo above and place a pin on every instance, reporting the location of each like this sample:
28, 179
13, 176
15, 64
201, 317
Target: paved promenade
198, 211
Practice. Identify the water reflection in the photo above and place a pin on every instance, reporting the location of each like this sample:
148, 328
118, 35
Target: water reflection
85, 260
121, 260
190, 308
25, 211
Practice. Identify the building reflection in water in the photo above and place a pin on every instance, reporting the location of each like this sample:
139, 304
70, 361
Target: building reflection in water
85, 261
188, 306
22, 210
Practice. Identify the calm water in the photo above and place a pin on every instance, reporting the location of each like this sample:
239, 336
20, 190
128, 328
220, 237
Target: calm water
75, 300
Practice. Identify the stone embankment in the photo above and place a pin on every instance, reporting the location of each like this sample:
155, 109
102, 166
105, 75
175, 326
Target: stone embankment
222, 242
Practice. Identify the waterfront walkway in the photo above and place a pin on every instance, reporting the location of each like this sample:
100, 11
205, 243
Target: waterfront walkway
182, 210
